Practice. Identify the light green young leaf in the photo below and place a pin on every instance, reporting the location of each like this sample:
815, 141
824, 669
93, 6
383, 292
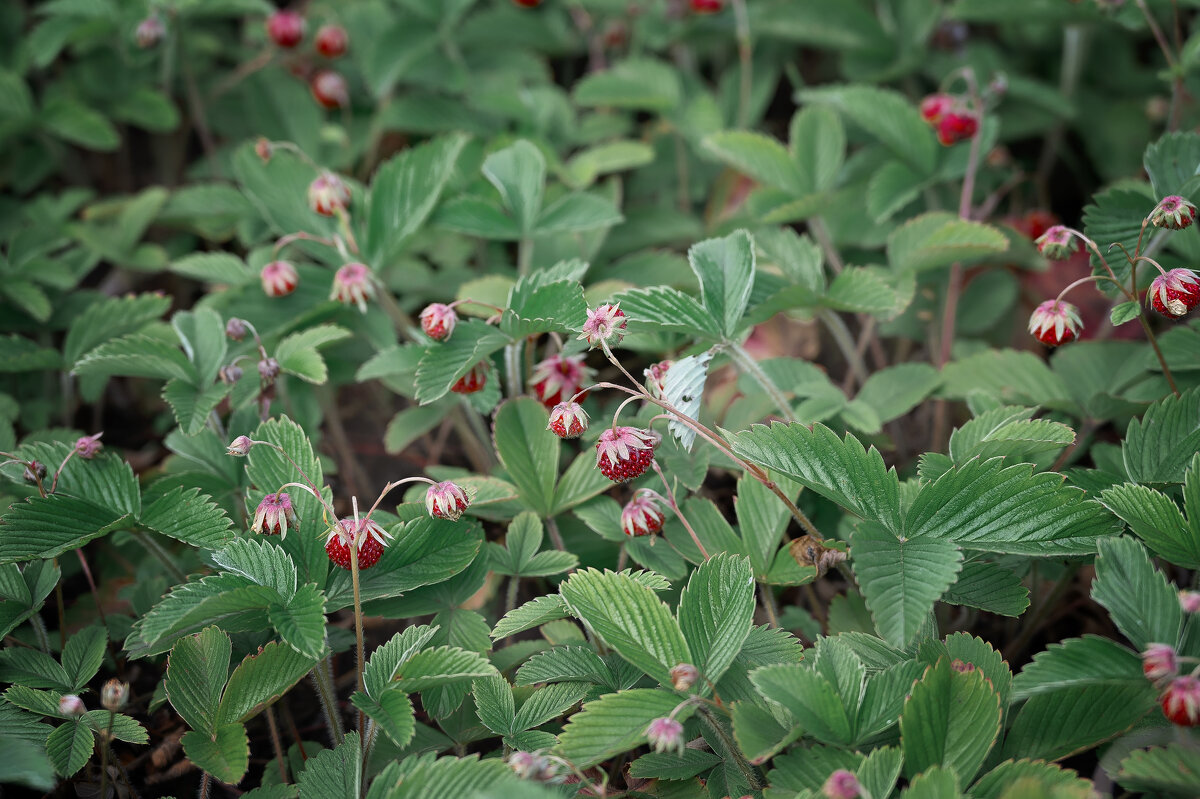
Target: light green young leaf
630, 619
519, 173
761, 158
887, 116
716, 612
817, 142
298, 353
725, 269
528, 450
951, 719
938, 239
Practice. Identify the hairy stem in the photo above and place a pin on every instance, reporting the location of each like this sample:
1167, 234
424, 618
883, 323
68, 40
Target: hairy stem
277, 744
555, 534
678, 513
739, 760
750, 366
768, 600
322, 675
845, 343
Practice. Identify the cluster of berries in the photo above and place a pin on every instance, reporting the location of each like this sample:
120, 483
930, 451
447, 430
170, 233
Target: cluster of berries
1172, 293
275, 515
950, 118
353, 283
328, 87
1180, 697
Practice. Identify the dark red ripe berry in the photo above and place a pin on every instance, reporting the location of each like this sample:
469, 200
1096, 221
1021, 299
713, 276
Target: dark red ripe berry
1181, 701
954, 127
1037, 222
286, 28
368, 554
622, 471
472, 381
332, 41
528, 3
1050, 338
707, 6
329, 89
936, 106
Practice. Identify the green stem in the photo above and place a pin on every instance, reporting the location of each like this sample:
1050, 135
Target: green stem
524, 256
360, 660
555, 534
40, 633
730, 746
157, 550
513, 368
769, 605
750, 366
510, 597
322, 675
845, 343
746, 62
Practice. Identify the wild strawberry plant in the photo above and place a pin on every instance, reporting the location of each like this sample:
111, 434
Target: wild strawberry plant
660, 399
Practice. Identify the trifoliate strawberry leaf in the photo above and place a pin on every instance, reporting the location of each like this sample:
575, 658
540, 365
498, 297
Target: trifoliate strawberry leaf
196, 672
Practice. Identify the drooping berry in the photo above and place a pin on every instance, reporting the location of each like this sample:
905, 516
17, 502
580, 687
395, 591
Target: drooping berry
268, 369
328, 193
438, 321
1159, 661
568, 420
955, 127
473, 380
558, 378
150, 31
707, 6
1057, 243
236, 328
1181, 701
842, 784
352, 285
274, 514
332, 41
665, 734
286, 28
239, 446
87, 447
642, 516
624, 453
366, 534
684, 676
446, 500
1174, 293
605, 324
329, 89
656, 377
1173, 213
533, 766
528, 3
1055, 322
936, 106
230, 374
279, 279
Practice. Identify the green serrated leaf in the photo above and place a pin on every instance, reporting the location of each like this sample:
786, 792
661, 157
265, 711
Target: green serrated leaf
951, 719
196, 672
225, 754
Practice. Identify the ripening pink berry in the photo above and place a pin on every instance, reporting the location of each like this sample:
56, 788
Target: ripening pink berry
604, 325
473, 380
446, 500
642, 516
327, 194
842, 784
279, 279
329, 89
438, 321
352, 285
568, 420
656, 377
665, 734
1159, 661
955, 127
369, 537
1057, 243
332, 41
1189, 601
1173, 213
936, 106
559, 378
274, 514
1181, 702
624, 453
1174, 293
286, 28
1055, 322
87, 447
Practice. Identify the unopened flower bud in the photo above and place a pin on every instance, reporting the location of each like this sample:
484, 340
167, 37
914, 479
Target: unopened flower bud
841, 784
236, 329
230, 374
264, 149
1189, 601
114, 695
665, 734
352, 285
1159, 661
684, 676
279, 279
268, 369
327, 194
87, 447
1057, 243
35, 472
71, 705
656, 377
239, 446
150, 31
